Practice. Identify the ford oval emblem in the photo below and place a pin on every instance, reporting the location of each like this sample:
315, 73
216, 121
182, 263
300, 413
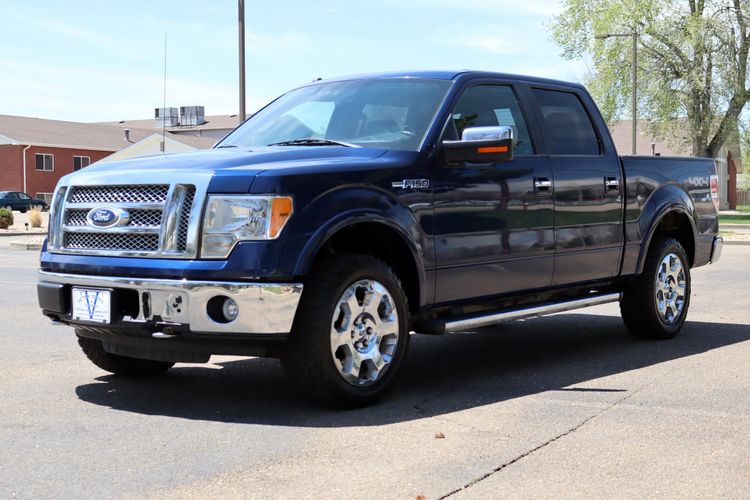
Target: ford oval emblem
107, 217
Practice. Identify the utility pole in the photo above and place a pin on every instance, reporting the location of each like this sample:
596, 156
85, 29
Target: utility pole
241, 26
634, 35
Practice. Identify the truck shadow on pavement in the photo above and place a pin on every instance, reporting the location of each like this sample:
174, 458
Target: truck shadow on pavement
442, 374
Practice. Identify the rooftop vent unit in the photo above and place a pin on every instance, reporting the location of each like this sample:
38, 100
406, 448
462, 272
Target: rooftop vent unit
166, 117
191, 116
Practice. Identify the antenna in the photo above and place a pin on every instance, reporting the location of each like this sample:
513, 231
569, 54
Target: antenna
163, 122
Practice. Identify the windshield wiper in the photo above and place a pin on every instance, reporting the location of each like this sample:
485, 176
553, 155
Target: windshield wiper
312, 141
226, 146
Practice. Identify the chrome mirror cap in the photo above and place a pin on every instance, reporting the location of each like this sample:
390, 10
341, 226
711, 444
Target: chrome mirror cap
487, 133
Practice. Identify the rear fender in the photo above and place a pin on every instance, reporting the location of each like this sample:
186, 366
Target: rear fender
666, 200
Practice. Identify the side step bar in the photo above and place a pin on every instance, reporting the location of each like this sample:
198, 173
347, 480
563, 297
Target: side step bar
472, 322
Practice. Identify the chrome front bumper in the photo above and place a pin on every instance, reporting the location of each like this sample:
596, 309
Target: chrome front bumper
264, 308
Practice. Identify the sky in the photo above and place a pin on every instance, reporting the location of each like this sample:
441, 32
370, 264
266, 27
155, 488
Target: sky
104, 60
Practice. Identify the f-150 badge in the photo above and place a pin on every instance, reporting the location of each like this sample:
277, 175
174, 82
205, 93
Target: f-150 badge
412, 184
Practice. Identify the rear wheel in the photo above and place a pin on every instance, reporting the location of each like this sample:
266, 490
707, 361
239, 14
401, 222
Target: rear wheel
8, 208
350, 334
120, 365
656, 304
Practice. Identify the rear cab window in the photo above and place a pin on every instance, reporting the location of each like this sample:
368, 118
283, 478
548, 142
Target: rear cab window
567, 125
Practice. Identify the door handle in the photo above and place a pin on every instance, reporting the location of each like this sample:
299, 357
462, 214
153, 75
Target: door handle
612, 184
542, 185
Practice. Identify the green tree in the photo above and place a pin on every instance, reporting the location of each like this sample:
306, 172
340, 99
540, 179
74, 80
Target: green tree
693, 61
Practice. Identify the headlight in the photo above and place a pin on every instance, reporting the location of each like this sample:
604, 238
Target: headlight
229, 219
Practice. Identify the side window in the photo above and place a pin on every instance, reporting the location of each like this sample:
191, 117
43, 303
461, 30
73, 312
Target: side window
567, 124
493, 105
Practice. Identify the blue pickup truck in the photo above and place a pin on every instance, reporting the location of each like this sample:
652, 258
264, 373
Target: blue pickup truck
351, 212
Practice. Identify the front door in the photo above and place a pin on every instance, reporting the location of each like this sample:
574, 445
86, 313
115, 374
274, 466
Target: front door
493, 223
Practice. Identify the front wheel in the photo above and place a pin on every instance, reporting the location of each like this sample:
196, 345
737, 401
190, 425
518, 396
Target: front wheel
350, 334
120, 365
655, 305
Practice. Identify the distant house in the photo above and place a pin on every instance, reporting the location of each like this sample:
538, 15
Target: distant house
728, 161
213, 127
35, 152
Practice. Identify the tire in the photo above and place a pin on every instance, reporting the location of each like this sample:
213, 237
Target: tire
9, 208
655, 305
40, 208
328, 341
121, 365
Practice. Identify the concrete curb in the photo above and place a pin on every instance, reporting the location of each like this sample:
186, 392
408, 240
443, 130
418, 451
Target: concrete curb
736, 242
22, 233
734, 226
25, 246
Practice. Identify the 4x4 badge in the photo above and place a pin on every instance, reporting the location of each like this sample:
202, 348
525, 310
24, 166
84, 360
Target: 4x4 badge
412, 184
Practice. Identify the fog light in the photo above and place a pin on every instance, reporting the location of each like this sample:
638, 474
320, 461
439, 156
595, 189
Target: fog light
230, 309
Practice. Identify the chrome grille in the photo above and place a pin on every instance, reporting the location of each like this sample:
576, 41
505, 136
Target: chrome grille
140, 218
146, 218
182, 230
122, 194
158, 224
112, 241
76, 217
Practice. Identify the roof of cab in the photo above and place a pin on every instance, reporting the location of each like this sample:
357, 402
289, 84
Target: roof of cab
450, 75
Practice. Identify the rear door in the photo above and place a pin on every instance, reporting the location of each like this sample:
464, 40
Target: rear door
588, 187
493, 226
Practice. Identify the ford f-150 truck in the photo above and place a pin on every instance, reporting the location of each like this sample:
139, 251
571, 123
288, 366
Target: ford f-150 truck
350, 212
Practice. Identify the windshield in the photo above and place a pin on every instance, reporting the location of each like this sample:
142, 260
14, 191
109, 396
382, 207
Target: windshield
383, 113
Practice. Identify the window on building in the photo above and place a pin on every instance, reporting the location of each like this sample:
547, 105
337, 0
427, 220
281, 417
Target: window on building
47, 197
567, 123
45, 161
80, 162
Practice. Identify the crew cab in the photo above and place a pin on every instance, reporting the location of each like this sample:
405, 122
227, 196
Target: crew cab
351, 212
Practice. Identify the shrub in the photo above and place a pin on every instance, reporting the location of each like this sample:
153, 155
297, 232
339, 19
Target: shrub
35, 217
6, 218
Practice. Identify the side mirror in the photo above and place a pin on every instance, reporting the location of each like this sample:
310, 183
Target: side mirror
481, 145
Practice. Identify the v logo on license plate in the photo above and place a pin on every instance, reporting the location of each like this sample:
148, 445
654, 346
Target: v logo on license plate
89, 306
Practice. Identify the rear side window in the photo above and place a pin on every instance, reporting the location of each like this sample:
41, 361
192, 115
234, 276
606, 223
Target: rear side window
567, 124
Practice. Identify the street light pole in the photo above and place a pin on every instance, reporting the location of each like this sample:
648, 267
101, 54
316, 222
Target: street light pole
241, 26
634, 36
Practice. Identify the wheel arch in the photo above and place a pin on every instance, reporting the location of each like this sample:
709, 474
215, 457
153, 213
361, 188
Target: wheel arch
355, 232
674, 220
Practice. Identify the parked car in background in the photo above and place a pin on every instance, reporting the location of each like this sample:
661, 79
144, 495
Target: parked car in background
15, 200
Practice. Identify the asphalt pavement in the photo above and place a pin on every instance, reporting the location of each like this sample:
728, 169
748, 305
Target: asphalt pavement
564, 406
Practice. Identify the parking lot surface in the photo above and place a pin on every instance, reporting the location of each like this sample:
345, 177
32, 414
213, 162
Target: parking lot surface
562, 406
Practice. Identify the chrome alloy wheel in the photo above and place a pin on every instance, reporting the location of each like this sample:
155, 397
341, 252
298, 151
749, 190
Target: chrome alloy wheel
670, 288
364, 332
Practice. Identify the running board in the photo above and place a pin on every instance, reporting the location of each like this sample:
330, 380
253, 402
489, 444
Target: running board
472, 322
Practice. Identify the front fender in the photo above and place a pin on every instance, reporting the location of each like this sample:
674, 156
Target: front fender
335, 210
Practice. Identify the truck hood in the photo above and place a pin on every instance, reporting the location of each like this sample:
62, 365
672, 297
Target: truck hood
230, 168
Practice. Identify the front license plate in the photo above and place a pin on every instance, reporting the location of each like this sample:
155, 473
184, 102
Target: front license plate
92, 305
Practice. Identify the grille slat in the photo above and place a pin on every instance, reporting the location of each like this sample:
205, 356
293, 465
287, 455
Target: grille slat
182, 231
140, 218
122, 194
112, 241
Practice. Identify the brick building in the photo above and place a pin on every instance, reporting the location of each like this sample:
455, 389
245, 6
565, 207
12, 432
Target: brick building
35, 153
